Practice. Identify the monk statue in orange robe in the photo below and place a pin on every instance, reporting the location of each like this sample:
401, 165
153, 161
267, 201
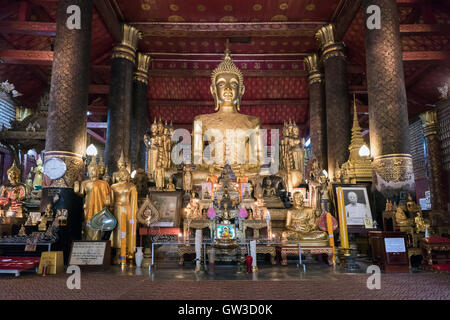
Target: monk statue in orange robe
125, 197
97, 195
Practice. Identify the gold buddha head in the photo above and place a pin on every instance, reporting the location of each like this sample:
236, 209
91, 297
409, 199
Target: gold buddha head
13, 173
124, 175
39, 162
298, 199
160, 126
154, 126
227, 84
93, 169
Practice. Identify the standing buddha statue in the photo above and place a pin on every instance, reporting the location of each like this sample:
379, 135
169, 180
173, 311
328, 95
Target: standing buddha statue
97, 195
38, 172
125, 208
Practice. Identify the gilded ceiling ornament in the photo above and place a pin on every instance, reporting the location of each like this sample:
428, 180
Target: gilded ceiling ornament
174, 7
273, 43
263, 43
279, 18
285, 43
310, 7
145, 6
158, 43
296, 43
201, 8
175, 18
257, 7
284, 6
228, 19
228, 7
205, 43
193, 43
182, 43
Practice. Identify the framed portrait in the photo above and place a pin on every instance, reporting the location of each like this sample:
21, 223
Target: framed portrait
206, 186
168, 204
245, 187
358, 207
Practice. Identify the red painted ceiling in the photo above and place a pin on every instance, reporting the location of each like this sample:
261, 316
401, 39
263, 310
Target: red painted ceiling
185, 51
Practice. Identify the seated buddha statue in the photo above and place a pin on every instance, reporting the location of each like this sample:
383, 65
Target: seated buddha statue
401, 219
301, 224
14, 191
233, 138
269, 190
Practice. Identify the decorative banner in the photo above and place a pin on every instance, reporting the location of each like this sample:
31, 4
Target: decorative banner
342, 219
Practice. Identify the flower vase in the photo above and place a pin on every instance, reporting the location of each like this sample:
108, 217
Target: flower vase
139, 256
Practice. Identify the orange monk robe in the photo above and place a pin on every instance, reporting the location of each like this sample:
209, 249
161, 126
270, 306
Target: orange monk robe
99, 196
213, 180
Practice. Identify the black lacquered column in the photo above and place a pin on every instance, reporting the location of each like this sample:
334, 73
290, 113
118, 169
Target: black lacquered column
317, 114
337, 101
120, 98
66, 121
388, 112
139, 113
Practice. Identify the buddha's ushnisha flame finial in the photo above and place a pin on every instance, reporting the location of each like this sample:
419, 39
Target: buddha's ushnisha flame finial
14, 169
227, 66
121, 161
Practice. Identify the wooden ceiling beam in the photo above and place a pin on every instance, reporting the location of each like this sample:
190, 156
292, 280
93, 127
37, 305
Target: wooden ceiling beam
424, 28
98, 89
26, 57
228, 29
344, 16
96, 136
183, 103
425, 55
9, 10
109, 17
28, 27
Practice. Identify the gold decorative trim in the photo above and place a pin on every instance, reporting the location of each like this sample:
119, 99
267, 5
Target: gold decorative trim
393, 170
312, 66
330, 47
429, 123
74, 164
128, 46
143, 64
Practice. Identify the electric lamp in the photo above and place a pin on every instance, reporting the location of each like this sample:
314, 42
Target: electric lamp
91, 150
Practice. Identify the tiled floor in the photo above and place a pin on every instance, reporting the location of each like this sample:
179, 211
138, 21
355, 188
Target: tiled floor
167, 281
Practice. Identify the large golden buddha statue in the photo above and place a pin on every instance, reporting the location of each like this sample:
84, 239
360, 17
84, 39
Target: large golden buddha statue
301, 224
234, 138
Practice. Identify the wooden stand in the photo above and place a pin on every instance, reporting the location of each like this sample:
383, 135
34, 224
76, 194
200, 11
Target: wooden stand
384, 253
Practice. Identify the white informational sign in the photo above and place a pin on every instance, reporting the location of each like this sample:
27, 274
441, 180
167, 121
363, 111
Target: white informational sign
394, 244
87, 253
163, 224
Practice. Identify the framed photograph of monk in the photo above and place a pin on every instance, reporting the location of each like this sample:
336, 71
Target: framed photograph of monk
168, 204
357, 203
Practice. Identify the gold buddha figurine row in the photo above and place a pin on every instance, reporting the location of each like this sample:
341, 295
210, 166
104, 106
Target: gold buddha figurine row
121, 197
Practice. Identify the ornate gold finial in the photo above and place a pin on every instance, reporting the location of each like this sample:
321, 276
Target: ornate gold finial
227, 66
429, 123
14, 169
121, 161
312, 66
143, 64
127, 48
330, 47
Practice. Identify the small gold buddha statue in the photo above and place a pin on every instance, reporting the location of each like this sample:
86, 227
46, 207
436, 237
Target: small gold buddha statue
14, 190
38, 172
269, 190
301, 224
43, 225
401, 219
170, 185
421, 224
224, 126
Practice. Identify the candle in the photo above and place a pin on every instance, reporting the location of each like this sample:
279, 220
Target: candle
198, 247
342, 219
330, 234
253, 252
